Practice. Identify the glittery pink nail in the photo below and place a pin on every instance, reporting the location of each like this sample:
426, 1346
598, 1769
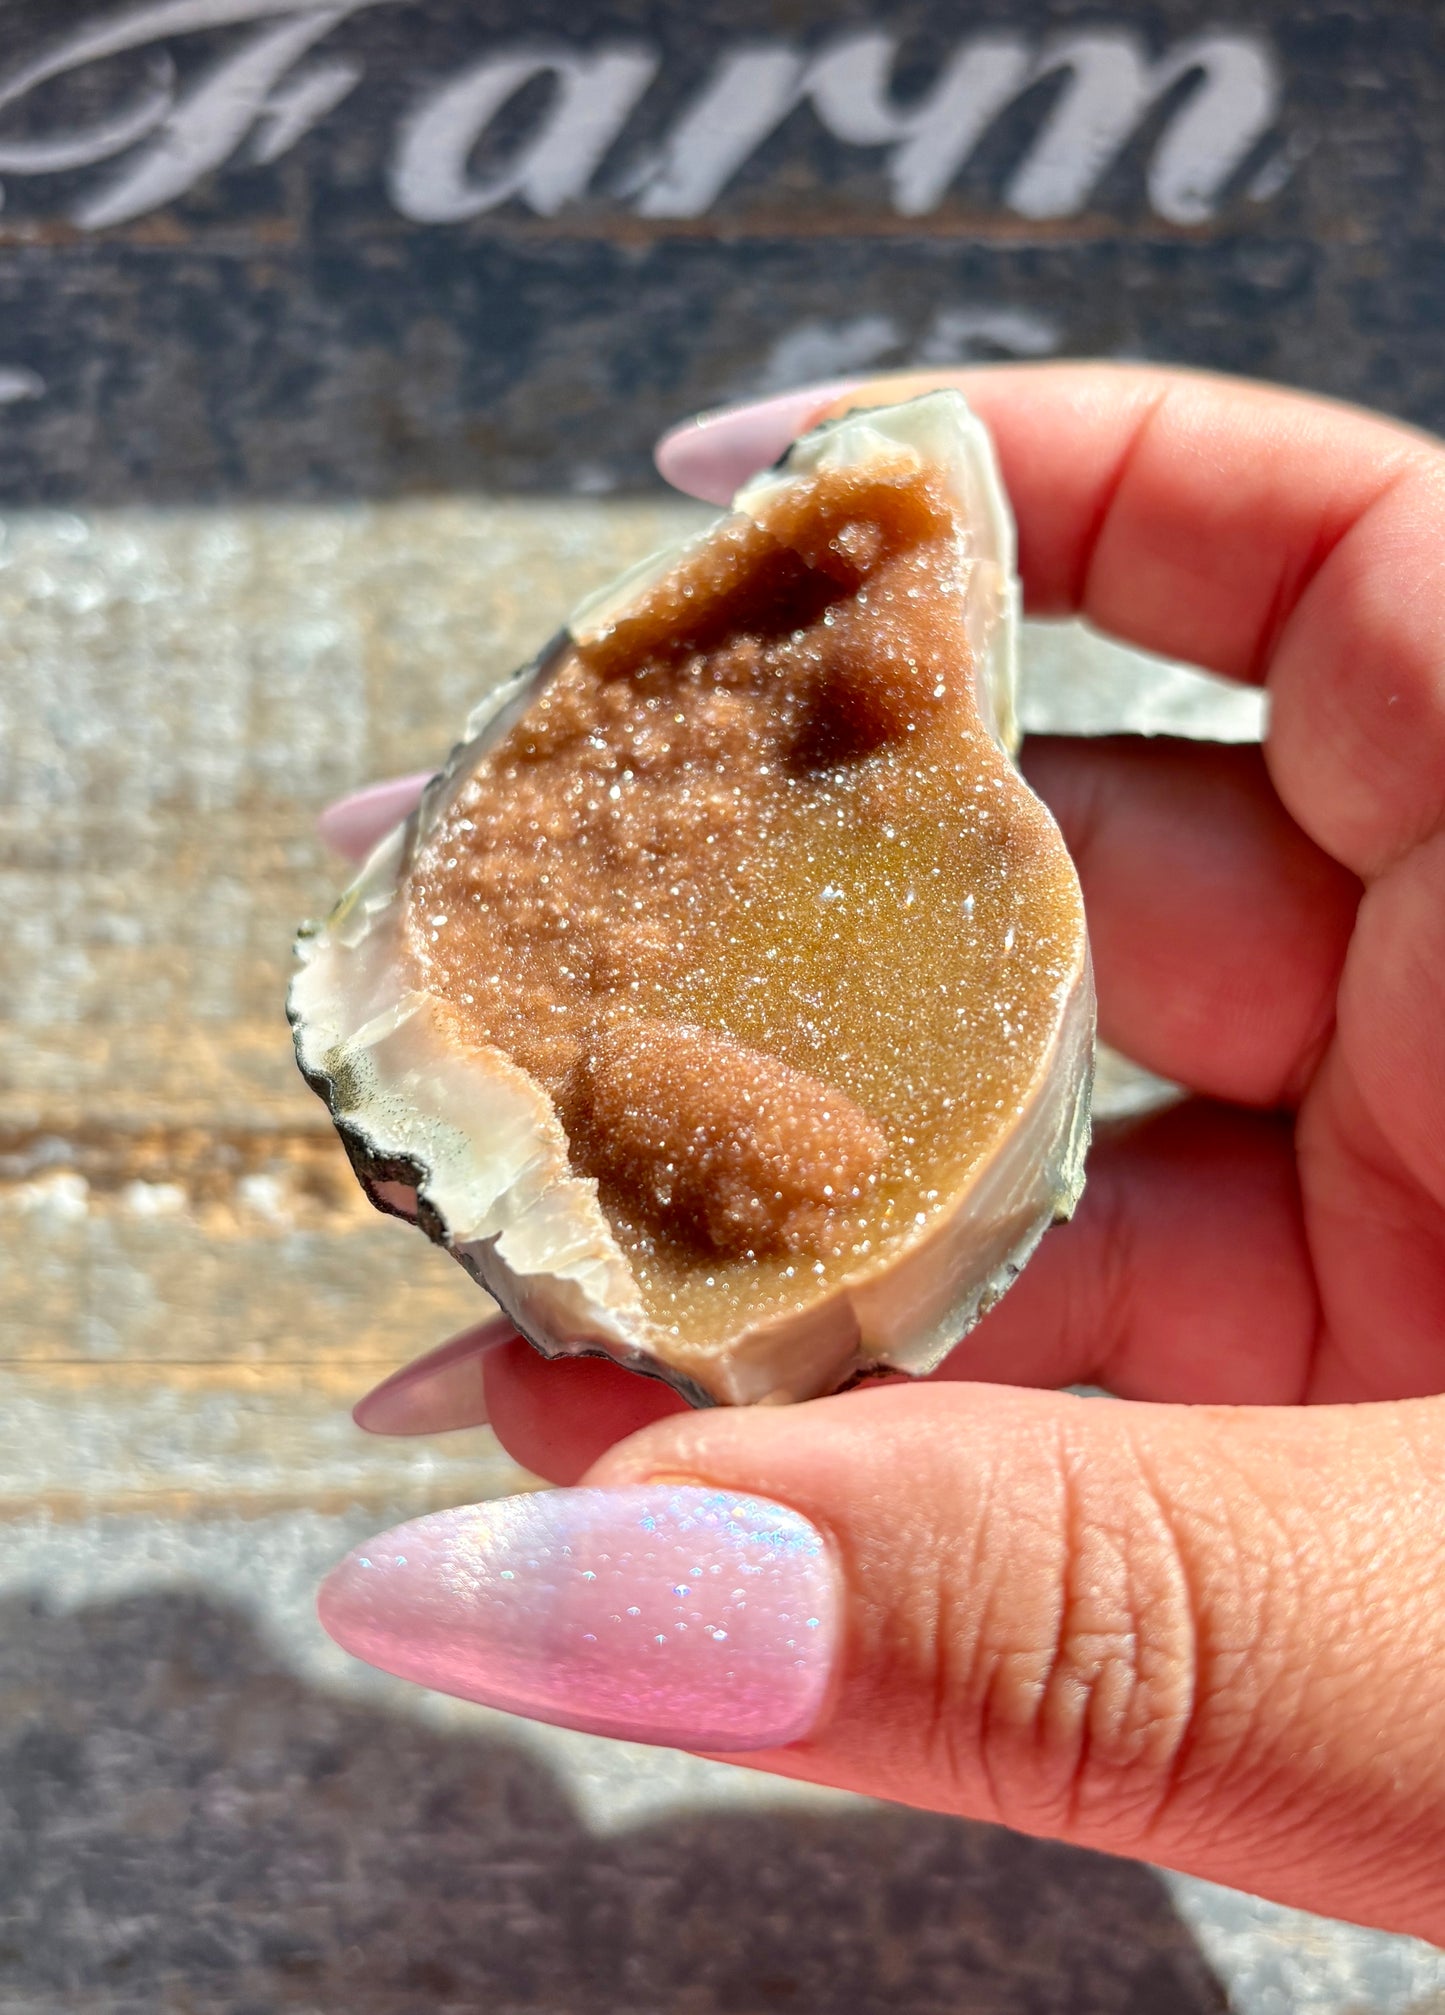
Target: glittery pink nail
354, 824
692, 1617
710, 456
438, 1392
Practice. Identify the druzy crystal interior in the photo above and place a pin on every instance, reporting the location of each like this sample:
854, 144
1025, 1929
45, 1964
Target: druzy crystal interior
742, 884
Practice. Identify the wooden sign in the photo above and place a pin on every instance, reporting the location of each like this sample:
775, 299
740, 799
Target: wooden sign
280, 247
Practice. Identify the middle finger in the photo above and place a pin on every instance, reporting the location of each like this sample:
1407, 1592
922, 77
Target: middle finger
1218, 928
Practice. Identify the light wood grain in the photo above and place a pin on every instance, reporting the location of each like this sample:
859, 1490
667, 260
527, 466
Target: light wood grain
193, 1290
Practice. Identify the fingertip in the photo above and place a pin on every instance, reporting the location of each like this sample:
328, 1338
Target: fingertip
353, 824
711, 455
557, 1416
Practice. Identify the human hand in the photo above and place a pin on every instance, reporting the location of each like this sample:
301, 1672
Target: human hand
1201, 1623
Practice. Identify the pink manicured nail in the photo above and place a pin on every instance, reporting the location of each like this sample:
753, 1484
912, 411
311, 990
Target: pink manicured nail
691, 1617
711, 456
354, 824
438, 1392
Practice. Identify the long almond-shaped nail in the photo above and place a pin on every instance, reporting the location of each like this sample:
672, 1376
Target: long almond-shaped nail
711, 456
675, 1614
354, 824
438, 1392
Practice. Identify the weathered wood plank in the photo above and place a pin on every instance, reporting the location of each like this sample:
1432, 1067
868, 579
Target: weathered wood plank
429, 245
181, 1441
181, 695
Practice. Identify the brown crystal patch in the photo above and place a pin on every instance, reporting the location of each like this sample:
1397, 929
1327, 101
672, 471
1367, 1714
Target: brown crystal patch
716, 1142
753, 894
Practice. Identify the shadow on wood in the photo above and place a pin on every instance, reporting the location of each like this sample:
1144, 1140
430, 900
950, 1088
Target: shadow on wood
188, 1826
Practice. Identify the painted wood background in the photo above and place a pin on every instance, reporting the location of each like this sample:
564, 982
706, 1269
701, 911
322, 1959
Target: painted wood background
268, 248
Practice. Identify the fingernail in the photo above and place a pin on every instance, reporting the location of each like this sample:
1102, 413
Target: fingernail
712, 455
686, 1616
438, 1392
354, 824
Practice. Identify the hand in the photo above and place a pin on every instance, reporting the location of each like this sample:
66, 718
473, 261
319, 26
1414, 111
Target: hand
1210, 1634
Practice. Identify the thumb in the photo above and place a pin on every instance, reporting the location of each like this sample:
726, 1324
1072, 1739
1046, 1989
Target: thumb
1208, 1637
1212, 1638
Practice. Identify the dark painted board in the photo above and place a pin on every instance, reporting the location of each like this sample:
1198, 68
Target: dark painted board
262, 247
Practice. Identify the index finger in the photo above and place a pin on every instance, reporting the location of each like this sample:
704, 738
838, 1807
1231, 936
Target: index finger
1258, 532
